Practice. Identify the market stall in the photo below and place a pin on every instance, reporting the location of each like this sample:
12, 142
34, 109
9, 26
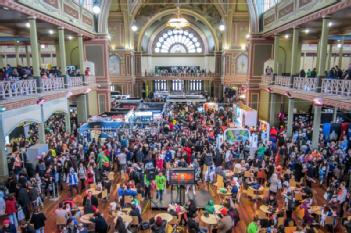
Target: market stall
244, 116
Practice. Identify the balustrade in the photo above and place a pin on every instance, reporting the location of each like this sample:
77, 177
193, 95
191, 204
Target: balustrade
17, 88
336, 87
75, 81
53, 84
305, 84
267, 79
30, 86
284, 81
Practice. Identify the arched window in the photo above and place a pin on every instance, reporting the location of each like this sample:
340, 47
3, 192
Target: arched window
114, 65
178, 41
88, 4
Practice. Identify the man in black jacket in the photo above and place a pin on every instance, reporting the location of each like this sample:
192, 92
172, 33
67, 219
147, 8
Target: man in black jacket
100, 223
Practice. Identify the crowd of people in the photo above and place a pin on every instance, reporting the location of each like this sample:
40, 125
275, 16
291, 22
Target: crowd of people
11, 73
180, 71
287, 170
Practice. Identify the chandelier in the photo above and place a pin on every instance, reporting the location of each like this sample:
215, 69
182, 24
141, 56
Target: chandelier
178, 22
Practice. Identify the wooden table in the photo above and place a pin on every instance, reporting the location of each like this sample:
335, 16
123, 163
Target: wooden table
265, 209
316, 210
210, 221
85, 219
127, 219
165, 216
94, 192
111, 176
228, 193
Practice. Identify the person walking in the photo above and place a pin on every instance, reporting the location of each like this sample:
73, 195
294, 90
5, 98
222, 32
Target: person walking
72, 181
160, 185
38, 220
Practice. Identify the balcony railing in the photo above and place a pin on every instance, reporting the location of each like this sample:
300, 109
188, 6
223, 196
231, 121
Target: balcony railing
53, 84
17, 88
32, 86
327, 86
75, 81
267, 80
336, 87
305, 84
284, 81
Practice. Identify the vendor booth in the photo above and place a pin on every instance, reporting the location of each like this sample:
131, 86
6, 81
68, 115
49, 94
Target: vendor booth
244, 116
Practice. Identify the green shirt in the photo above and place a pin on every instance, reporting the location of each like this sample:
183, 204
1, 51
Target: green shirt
160, 182
252, 228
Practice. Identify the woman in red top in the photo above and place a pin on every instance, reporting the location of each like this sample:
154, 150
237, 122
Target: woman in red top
11, 209
159, 163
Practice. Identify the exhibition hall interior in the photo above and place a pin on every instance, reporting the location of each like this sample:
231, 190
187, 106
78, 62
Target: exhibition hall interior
175, 116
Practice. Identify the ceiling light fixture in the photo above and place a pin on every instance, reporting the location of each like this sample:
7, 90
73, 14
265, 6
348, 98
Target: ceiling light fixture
247, 36
330, 24
286, 36
221, 27
134, 28
339, 46
28, 25
178, 22
42, 46
51, 32
96, 9
307, 31
70, 37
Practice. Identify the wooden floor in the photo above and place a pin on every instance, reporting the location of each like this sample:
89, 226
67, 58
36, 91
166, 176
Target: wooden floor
246, 209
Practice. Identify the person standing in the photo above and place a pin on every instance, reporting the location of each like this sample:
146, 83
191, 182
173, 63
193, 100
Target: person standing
38, 220
72, 181
160, 185
11, 209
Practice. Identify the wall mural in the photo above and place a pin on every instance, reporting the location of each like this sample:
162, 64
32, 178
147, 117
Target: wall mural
242, 64
114, 65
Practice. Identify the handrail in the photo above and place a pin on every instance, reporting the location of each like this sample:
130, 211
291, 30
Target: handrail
75, 81
267, 79
53, 84
336, 87
17, 88
284, 81
305, 84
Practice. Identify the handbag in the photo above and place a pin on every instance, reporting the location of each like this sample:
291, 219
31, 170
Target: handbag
20, 214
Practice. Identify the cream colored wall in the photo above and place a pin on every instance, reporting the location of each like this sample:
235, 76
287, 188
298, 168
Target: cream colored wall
284, 55
72, 56
148, 63
263, 111
93, 104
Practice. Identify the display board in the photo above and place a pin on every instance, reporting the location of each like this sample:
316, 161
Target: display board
181, 176
244, 116
235, 135
264, 128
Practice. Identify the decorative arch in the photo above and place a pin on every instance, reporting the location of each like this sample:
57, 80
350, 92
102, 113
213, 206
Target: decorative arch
13, 127
156, 33
177, 41
183, 12
114, 64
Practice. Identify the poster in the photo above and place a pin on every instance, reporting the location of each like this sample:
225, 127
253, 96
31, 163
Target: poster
235, 135
264, 129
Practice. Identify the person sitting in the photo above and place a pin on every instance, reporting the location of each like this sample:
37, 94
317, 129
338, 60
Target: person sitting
253, 227
209, 208
136, 212
100, 223
225, 224
90, 203
159, 226
120, 227
194, 227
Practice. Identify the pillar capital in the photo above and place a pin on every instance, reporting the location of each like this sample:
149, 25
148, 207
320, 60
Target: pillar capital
60, 28
326, 17
32, 18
